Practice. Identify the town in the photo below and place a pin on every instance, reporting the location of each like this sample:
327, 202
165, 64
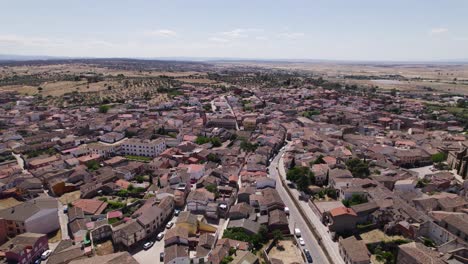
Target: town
151, 162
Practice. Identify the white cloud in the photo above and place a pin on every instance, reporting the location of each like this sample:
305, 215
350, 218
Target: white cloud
291, 35
439, 30
217, 39
238, 33
161, 33
6, 40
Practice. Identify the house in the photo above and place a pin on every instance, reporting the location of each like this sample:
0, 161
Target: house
240, 210
249, 226
245, 257
193, 224
265, 182
77, 223
188, 221
128, 234
205, 244
220, 251
177, 235
25, 248
114, 258
100, 230
151, 219
66, 251
321, 173
34, 216
176, 254
341, 219
111, 137
267, 200
197, 200
140, 147
457, 225
278, 220
354, 251
417, 253
407, 185
91, 206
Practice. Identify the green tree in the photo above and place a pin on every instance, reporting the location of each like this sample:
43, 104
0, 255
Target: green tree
104, 109
359, 168
302, 176
92, 165
355, 200
439, 157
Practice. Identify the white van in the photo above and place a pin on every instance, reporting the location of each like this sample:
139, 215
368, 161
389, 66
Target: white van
297, 232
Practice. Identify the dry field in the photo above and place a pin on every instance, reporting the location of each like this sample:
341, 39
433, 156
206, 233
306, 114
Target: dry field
440, 77
290, 254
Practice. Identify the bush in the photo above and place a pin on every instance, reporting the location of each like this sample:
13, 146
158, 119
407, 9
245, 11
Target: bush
104, 109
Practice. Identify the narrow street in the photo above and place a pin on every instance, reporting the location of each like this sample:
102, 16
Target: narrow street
332, 246
295, 218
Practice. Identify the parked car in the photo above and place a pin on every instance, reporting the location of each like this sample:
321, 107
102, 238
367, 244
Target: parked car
301, 241
286, 210
161, 256
38, 261
297, 232
160, 236
46, 254
169, 225
65, 209
148, 245
176, 212
308, 256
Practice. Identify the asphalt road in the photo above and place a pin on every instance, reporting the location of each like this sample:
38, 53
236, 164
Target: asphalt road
295, 218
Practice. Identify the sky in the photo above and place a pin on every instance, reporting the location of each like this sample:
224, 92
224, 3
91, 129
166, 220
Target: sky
393, 30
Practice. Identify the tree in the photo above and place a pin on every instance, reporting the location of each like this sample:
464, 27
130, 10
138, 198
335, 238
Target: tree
319, 160
277, 235
359, 168
302, 176
104, 109
439, 157
213, 158
355, 200
247, 146
216, 142
159, 182
92, 165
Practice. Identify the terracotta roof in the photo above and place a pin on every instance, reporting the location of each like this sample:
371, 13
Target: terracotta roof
91, 206
342, 211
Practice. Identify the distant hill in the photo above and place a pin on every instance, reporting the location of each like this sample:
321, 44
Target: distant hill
4, 57
14, 57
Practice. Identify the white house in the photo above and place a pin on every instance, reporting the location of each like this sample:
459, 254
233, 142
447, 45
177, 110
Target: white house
405, 185
140, 147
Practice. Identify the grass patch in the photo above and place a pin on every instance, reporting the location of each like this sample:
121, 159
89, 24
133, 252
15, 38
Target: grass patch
138, 158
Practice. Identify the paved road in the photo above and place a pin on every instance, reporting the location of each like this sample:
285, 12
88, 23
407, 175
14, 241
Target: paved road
295, 218
331, 246
151, 255
20, 161
63, 219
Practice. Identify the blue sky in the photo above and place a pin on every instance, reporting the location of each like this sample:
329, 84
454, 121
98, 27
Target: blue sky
294, 29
